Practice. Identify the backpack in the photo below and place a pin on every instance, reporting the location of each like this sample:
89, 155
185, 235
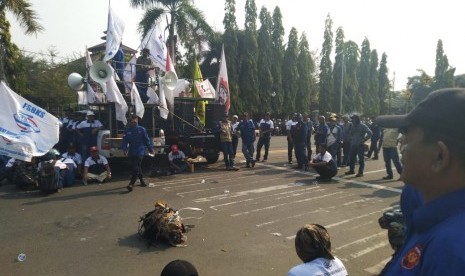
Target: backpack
48, 179
163, 223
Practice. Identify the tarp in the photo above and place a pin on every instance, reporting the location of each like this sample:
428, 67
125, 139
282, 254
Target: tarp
26, 130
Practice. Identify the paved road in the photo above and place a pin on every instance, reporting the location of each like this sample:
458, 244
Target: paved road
251, 217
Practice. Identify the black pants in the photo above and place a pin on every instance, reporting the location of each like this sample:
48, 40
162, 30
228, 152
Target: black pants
235, 141
328, 171
136, 162
290, 147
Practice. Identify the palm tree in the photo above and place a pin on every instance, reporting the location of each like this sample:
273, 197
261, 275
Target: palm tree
28, 20
188, 21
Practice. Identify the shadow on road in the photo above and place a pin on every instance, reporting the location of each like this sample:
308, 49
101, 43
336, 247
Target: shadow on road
136, 242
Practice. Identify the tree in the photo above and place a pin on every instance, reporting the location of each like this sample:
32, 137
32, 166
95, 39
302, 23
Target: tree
306, 82
326, 69
352, 99
248, 81
231, 53
364, 75
277, 45
373, 99
188, 22
265, 80
9, 53
384, 88
290, 74
443, 73
338, 72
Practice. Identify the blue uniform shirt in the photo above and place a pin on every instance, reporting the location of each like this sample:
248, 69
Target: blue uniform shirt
138, 139
247, 129
436, 244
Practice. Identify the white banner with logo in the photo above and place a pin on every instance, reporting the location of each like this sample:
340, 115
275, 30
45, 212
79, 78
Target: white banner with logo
26, 130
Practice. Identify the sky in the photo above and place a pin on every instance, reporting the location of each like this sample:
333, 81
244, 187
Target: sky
406, 30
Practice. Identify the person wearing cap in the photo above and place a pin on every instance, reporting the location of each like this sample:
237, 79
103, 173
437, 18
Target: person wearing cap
359, 134
433, 158
96, 167
247, 129
266, 126
177, 160
290, 125
135, 141
226, 143
179, 268
143, 65
235, 137
87, 131
313, 247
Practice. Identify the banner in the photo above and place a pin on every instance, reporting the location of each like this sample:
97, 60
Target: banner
91, 97
205, 89
26, 130
137, 102
155, 43
200, 105
115, 30
114, 95
222, 88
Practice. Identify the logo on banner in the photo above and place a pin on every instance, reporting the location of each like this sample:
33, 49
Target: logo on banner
223, 91
7, 141
26, 123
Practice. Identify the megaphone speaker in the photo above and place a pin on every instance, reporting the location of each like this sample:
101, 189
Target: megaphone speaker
171, 81
76, 81
100, 72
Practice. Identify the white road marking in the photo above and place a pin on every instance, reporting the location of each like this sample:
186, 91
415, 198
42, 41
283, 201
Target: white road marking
376, 269
368, 249
363, 240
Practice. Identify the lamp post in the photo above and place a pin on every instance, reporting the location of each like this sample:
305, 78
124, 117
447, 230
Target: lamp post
342, 82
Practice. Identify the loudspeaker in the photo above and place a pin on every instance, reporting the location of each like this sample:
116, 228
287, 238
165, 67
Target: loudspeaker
184, 110
100, 72
213, 114
76, 81
171, 80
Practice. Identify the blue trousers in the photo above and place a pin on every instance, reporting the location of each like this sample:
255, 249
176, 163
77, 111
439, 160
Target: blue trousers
228, 154
391, 154
263, 141
357, 151
300, 153
247, 150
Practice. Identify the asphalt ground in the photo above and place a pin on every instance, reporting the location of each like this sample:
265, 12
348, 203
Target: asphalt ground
248, 226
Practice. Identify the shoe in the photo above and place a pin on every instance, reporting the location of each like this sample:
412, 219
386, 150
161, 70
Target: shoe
374, 158
84, 182
253, 164
233, 168
142, 184
359, 175
388, 177
264, 160
129, 187
349, 172
247, 166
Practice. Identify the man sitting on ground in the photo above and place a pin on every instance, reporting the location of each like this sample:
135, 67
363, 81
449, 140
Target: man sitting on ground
177, 160
96, 167
324, 164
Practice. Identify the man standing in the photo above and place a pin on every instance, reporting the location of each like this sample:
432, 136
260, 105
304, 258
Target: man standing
433, 155
226, 143
300, 137
265, 127
322, 132
334, 140
143, 65
359, 134
135, 140
308, 142
247, 129
375, 138
87, 131
289, 129
390, 140
346, 129
235, 137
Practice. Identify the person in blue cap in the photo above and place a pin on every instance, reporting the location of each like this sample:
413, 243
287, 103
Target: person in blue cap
433, 155
135, 141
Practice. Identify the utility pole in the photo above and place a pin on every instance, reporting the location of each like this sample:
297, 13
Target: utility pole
342, 82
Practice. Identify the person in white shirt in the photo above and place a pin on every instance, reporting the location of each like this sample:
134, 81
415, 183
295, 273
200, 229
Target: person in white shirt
324, 164
313, 246
235, 136
266, 126
87, 131
290, 143
96, 167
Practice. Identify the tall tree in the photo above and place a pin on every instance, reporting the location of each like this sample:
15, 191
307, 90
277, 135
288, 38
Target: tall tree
373, 99
338, 72
384, 89
352, 99
9, 53
326, 69
277, 44
443, 73
265, 80
306, 82
231, 44
290, 74
185, 19
248, 80
364, 75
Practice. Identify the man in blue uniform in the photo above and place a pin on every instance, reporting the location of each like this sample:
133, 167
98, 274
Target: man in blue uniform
247, 129
135, 140
433, 155
265, 126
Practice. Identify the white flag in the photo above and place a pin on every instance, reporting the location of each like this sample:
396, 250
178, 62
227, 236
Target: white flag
153, 97
115, 30
137, 102
129, 73
113, 95
26, 130
222, 88
91, 97
162, 106
155, 43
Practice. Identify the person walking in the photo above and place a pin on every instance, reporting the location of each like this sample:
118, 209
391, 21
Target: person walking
266, 126
359, 134
375, 138
390, 153
334, 139
135, 141
247, 129
226, 143
433, 158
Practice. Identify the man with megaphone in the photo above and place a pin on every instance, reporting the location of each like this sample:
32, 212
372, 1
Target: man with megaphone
143, 65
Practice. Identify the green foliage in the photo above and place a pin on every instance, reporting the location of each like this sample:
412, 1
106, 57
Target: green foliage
351, 99
277, 45
326, 70
364, 75
265, 80
306, 82
373, 99
384, 86
290, 73
338, 72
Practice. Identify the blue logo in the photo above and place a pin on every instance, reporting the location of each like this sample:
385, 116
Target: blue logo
26, 123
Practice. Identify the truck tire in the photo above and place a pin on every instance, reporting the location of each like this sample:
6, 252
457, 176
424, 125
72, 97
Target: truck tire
211, 155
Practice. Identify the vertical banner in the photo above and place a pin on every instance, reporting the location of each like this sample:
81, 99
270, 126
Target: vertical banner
222, 88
